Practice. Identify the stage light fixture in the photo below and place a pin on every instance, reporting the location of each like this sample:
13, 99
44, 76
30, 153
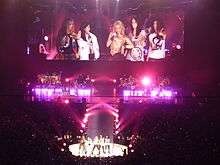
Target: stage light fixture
46, 38
146, 81
178, 47
28, 50
66, 101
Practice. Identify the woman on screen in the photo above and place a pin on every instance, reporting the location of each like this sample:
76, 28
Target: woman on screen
67, 41
118, 42
157, 41
137, 37
88, 44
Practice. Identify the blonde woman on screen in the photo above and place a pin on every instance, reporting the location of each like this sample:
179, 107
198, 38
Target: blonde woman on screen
118, 41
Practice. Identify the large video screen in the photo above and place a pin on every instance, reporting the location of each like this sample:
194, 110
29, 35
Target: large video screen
95, 33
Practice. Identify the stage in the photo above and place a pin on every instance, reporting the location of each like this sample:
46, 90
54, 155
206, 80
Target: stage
115, 150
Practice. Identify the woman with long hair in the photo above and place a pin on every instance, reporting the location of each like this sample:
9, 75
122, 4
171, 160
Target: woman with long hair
118, 41
157, 41
138, 38
88, 43
67, 41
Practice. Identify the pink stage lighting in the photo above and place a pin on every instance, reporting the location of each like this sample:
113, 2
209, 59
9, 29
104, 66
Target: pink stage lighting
146, 81
178, 47
66, 101
50, 92
67, 79
154, 93
83, 125
38, 91
58, 91
117, 126
166, 93
126, 93
46, 38
85, 120
84, 92
73, 92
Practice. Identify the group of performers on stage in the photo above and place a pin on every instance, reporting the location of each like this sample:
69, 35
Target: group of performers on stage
132, 46
98, 146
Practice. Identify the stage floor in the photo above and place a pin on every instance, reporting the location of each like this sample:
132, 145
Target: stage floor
115, 150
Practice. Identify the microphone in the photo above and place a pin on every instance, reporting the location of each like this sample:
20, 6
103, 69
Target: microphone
113, 35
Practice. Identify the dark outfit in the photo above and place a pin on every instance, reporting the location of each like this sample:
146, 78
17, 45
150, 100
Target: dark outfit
117, 57
68, 47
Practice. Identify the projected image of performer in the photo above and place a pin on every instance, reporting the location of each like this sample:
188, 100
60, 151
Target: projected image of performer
67, 41
118, 42
157, 41
88, 44
138, 38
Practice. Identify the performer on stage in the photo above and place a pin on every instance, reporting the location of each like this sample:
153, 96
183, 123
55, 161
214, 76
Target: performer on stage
67, 41
118, 41
88, 44
157, 41
138, 38
102, 144
107, 145
82, 146
97, 145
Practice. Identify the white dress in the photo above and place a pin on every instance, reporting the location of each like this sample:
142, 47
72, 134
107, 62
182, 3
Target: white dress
86, 46
137, 53
157, 47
